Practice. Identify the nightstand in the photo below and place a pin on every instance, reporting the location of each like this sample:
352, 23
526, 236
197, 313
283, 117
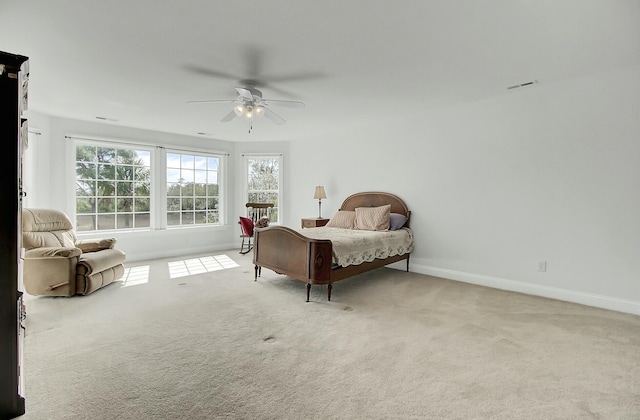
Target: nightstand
311, 223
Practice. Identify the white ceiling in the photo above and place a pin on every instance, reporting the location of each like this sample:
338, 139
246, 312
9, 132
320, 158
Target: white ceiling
350, 61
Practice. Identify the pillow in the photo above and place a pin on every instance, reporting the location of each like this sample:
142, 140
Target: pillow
343, 219
396, 221
262, 222
373, 218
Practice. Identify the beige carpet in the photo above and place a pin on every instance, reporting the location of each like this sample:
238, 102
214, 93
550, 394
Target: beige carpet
391, 345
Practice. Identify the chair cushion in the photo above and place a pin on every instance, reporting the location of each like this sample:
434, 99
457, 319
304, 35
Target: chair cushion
46, 228
247, 226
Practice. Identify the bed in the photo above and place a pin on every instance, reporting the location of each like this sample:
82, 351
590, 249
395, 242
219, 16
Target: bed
309, 255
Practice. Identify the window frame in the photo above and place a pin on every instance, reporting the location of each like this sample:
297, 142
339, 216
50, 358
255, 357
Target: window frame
158, 183
220, 181
280, 157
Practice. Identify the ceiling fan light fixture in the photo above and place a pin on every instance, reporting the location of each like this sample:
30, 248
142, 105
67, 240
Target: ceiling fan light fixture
239, 110
249, 114
258, 110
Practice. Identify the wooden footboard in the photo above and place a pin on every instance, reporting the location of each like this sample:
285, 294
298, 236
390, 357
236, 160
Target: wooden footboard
285, 251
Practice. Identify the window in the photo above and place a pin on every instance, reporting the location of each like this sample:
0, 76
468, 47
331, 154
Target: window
192, 189
131, 187
113, 187
264, 178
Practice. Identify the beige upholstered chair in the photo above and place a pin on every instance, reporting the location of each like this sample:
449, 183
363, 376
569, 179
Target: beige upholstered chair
56, 263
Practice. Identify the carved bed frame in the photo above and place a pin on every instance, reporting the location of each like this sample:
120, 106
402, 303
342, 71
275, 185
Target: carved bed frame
287, 252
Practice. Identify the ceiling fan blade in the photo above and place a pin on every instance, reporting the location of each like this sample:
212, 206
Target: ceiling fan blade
289, 104
213, 101
253, 58
292, 77
245, 93
209, 72
273, 116
231, 115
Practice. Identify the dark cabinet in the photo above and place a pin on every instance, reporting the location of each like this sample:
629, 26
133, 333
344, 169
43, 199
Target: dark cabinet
13, 100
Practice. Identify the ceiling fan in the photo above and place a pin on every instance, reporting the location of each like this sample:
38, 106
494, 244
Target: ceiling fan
251, 105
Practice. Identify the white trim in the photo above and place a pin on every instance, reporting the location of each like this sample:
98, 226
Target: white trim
589, 299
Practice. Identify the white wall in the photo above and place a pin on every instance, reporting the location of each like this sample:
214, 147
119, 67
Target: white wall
549, 173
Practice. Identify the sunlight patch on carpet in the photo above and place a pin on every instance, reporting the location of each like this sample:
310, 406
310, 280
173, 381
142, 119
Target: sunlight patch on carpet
135, 276
200, 265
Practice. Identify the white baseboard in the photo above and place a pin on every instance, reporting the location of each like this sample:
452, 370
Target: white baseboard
168, 253
598, 301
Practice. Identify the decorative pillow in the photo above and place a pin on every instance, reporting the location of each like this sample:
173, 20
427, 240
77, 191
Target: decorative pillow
373, 218
396, 221
262, 222
343, 219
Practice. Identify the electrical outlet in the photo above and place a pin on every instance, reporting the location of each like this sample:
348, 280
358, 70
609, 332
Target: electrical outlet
542, 266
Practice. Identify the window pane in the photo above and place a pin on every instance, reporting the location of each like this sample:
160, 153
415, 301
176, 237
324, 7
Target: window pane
187, 190
106, 188
86, 188
200, 177
85, 170
187, 218
187, 175
200, 203
173, 175
125, 189
108, 202
86, 154
85, 223
106, 171
200, 162
173, 204
106, 222
142, 204
85, 205
212, 217
125, 221
186, 161
200, 217
142, 220
124, 172
106, 205
173, 219
106, 154
125, 205
187, 204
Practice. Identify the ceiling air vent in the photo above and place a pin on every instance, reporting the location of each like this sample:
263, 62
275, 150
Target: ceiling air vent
523, 84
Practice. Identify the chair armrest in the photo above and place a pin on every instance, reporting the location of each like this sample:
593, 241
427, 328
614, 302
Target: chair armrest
51, 271
52, 252
95, 262
93, 245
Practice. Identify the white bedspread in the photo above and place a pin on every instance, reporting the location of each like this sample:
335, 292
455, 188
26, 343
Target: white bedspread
353, 247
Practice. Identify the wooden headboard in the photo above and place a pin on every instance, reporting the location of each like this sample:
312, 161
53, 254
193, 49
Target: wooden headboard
375, 199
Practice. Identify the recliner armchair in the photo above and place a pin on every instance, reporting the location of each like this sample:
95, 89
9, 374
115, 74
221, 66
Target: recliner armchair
57, 263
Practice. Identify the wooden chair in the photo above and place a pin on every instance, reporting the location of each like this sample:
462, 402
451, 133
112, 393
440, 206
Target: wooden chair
255, 212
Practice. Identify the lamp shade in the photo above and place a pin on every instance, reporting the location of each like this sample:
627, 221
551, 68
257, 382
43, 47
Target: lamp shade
319, 194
